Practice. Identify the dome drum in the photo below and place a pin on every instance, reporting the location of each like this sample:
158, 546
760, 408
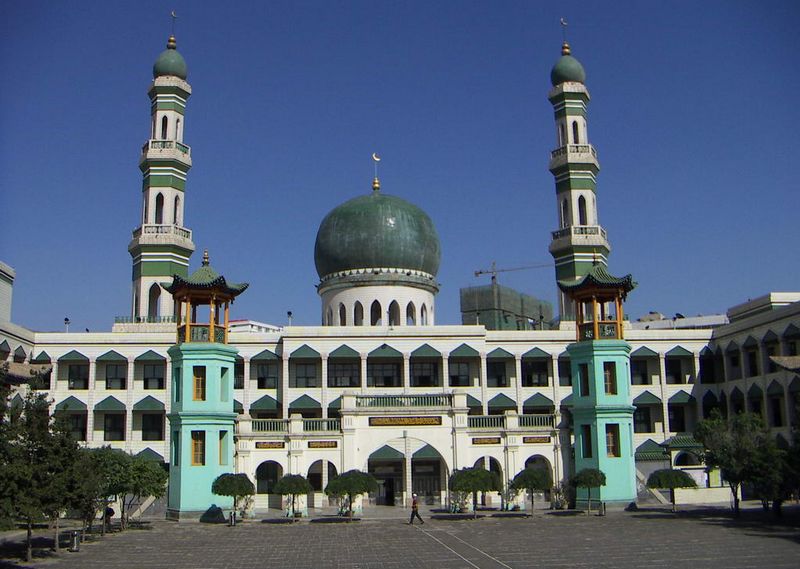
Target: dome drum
375, 304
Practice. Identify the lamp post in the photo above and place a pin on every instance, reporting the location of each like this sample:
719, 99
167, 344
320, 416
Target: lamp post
66, 323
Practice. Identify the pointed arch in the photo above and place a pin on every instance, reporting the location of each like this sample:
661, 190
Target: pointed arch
564, 213
176, 212
358, 314
329, 317
394, 314
582, 211
177, 129
342, 315
154, 301
159, 209
411, 314
562, 135
164, 127
423, 315
375, 314
576, 139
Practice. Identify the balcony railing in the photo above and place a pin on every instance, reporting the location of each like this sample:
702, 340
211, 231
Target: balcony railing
433, 400
322, 425
574, 149
162, 229
543, 421
270, 426
487, 422
579, 230
166, 145
606, 330
144, 319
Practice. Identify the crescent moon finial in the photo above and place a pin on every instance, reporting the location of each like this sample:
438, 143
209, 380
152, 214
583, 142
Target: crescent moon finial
376, 183
376, 157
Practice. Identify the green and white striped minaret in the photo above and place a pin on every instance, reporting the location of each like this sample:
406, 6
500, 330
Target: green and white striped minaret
161, 245
580, 241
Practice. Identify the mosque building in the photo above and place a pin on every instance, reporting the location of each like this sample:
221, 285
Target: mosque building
379, 385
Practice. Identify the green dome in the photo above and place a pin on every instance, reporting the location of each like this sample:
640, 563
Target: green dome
170, 62
377, 231
567, 69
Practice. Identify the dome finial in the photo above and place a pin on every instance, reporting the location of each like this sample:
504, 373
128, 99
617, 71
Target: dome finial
564, 45
565, 49
171, 43
205, 257
376, 183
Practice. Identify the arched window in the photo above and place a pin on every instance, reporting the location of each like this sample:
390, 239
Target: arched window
562, 135
330, 317
575, 138
144, 217
423, 315
582, 211
564, 213
375, 314
267, 474
411, 314
159, 209
176, 214
358, 314
342, 315
164, 125
177, 129
394, 314
154, 299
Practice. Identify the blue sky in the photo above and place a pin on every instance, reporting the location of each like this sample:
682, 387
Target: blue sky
693, 113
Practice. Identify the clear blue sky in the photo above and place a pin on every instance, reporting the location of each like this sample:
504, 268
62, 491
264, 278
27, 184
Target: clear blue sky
694, 115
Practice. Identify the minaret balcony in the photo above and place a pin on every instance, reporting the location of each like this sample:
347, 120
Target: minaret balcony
167, 230
166, 150
579, 153
591, 235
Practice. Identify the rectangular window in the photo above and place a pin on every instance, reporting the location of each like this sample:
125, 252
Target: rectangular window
114, 427
223, 447
152, 426
77, 426
564, 373
610, 377
459, 374
752, 363
199, 383
384, 375
641, 420
176, 384
534, 373
198, 448
496, 374
612, 441
176, 448
267, 376
776, 404
78, 376
305, 375
153, 376
639, 375
771, 351
583, 376
677, 418
116, 375
223, 385
424, 374
586, 441
791, 348
344, 374
672, 366
238, 375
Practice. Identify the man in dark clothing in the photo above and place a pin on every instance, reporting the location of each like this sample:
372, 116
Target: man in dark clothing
415, 510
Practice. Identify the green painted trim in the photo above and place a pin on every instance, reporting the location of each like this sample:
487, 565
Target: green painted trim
499, 354
535, 353
304, 402
570, 112
305, 351
238, 407
679, 351
386, 453
112, 356
71, 403
426, 351
73, 356
681, 398
149, 403
473, 401
343, 351
774, 388
265, 355
643, 352
571, 184
163, 181
158, 269
168, 90
502, 401
150, 454
335, 404
150, 356
427, 452
266, 403
538, 400
170, 106
42, 358
110, 403
385, 351
646, 398
464, 351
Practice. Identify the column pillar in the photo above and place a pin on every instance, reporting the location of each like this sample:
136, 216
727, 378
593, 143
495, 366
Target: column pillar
482, 380
406, 372
285, 388
662, 378
324, 466
363, 362
129, 402
324, 380
246, 393
445, 371
407, 474
518, 382
90, 401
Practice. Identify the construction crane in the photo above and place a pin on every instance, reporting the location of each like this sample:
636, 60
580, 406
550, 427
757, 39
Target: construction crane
494, 270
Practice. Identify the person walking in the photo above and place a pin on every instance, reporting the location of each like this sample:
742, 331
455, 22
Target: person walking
415, 510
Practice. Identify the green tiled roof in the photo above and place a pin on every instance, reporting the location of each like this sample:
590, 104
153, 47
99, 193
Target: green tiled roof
464, 351
775, 388
343, 351
598, 276
426, 351
149, 403
238, 407
42, 358
770, 336
733, 347
304, 402
427, 452
205, 278
679, 351
266, 403
650, 450
17, 402
502, 401
265, 355
567, 401
150, 356
305, 351
535, 353
643, 352
473, 401
71, 403
750, 342
385, 351
681, 397
538, 400
112, 356
73, 356
386, 453
646, 398
110, 403
499, 354
335, 404
755, 392
4, 347
150, 454
681, 442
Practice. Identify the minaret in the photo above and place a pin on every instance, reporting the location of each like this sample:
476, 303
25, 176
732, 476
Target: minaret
161, 245
580, 241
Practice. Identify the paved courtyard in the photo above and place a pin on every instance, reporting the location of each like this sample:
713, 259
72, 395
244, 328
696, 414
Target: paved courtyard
649, 539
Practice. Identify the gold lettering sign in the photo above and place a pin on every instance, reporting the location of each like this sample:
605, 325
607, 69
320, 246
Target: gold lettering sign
486, 441
270, 444
534, 440
323, 444
404, 421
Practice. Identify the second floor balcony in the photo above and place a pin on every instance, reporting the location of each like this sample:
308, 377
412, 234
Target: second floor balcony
166, 149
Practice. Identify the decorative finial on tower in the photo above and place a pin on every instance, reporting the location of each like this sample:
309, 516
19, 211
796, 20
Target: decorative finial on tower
565, 46
376, 183
205, 257
171, 43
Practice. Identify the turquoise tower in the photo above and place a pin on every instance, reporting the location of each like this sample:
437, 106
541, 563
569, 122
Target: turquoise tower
580, 241
202, 416
601, 377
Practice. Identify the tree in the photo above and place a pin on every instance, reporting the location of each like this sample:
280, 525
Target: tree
670, 478
146, 477
589, 478
533, 480
112, 466
234, 485
731, 445
293, 485
474, 480
351, 484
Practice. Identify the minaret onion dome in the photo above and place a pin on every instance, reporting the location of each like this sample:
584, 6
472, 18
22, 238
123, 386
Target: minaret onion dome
567, 69
170, 62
